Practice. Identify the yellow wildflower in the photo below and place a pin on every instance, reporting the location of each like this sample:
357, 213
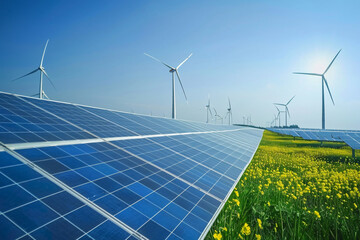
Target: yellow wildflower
236, 201
317, 214
225, 229
246, 229
268, 203
236, 193
258, 236
355, 205
338, 195
260, 223
217, 235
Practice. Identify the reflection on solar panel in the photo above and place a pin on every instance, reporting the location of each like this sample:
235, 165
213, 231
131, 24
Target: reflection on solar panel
115, 175
350, 137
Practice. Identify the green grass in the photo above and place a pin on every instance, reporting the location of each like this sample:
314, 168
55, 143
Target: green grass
297, 189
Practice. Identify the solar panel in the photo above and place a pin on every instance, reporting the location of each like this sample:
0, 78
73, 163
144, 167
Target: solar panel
33, 206
23, 122
131, 176
350, 137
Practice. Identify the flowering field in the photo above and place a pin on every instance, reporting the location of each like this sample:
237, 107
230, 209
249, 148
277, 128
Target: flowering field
294, 190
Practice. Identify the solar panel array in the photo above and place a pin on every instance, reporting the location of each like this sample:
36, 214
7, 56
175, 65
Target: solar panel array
350, 137
76, 172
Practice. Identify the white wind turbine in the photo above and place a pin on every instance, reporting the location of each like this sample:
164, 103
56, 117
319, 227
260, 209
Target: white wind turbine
173, 71
41, 93
229, 112
208, 110
323, 80
286, 109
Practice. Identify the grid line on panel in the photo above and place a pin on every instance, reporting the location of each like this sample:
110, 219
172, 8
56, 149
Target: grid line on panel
74, 193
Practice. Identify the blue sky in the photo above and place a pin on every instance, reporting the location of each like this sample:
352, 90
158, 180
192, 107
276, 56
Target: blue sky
244, 50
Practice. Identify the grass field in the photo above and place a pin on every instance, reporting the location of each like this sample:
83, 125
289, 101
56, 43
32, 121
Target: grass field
294, 189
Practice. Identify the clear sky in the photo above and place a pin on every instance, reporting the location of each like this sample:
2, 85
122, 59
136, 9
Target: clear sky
245, 50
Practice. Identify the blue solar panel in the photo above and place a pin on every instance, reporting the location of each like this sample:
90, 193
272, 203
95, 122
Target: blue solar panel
33, 206
124, 186
140, 184
84, 119
22, 122
350, 137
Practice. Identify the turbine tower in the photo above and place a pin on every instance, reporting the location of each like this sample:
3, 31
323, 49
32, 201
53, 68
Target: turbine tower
229, 113
208, 110
323, 80
173, 71
41, 68
286, 109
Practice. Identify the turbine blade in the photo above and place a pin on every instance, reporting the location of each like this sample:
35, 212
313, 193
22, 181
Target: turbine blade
159, 61
26, 74
313, 74
210, 112
42, 58
281, 104
327, 86
177, 74
290, 100
229, 103
332, 62
215, 112
277, 108
183, 61
48, 78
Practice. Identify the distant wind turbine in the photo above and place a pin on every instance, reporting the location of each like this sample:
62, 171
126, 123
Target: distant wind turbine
323, 80
229, 112
208, 110
173, 71
286, 109
41, 93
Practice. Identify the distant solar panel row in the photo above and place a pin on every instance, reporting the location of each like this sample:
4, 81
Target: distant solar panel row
156, 187
350, 137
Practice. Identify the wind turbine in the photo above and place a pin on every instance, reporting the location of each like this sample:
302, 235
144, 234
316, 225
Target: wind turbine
323, 80
41, 93
286, 109
229, 112
208, 110
173, 71
217, 115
